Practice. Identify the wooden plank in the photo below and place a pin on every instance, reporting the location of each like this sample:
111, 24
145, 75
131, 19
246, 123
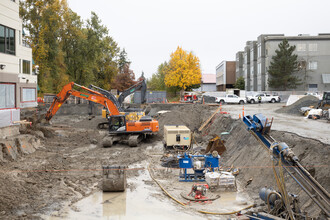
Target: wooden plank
209, 119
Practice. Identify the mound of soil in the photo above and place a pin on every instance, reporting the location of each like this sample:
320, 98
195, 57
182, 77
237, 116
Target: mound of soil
209, 99
294, 109
191, 116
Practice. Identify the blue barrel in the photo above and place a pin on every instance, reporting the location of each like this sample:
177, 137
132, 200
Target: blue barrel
264, 192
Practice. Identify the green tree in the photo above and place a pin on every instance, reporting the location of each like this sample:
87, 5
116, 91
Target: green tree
67, 48
43, 20
123, 61
240, 83
284, 67
157, 81
74, 41
125, 78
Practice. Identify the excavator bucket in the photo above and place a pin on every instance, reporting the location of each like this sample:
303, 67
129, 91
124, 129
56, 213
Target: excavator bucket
216, 144
114, 178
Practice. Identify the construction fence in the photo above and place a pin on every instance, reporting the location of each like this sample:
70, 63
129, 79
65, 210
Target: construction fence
151, 97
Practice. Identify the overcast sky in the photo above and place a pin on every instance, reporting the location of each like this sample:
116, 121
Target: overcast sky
214, 30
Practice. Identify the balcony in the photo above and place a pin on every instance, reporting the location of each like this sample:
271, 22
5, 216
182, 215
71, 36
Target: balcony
25, 43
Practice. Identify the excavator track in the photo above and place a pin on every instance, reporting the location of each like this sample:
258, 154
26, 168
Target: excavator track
132, 140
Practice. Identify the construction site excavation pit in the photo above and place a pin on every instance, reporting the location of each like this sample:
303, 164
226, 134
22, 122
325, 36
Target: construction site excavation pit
62, 178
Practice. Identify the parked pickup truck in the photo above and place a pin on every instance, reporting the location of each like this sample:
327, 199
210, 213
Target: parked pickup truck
230, 99
263, 97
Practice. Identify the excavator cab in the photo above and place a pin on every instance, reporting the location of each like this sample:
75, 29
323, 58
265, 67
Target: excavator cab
117, 123
325, 102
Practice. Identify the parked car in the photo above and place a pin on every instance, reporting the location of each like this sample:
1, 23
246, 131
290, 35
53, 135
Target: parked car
263, 97
230, 99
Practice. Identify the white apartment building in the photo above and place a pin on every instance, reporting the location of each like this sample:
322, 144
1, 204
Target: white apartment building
18, 84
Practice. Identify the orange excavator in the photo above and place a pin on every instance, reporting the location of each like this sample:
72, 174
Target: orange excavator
120, 130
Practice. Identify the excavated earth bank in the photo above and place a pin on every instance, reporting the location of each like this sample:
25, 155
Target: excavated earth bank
66, 165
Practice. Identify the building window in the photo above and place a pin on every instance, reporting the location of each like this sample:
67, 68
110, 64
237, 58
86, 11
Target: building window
28, 95
259, 68
312, 65
259, 50
312, 87
312, 47
7, 95
26, 66
7, 40
301, 47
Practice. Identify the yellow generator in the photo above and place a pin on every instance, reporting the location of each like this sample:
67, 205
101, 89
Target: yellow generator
177, 137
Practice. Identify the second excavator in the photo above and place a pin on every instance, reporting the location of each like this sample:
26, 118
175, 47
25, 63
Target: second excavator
131, 113
121, 130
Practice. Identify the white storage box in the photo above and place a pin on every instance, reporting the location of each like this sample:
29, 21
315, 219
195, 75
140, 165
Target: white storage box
212, 179
227, 179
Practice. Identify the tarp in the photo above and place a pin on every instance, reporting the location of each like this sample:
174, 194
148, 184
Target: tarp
7, 96
8, 116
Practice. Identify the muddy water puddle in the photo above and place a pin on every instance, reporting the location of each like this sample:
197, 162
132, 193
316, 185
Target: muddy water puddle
140, 201
144, 200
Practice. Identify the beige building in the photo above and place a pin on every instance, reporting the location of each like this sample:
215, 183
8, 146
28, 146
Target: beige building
18, 84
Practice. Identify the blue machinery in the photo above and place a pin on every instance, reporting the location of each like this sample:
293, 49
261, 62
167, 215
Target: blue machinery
195, 162
260, 126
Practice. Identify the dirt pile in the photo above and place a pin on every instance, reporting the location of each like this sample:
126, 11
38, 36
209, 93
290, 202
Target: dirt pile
192, 116
294, 109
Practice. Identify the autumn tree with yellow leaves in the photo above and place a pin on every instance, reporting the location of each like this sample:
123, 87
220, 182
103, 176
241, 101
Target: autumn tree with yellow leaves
183, 70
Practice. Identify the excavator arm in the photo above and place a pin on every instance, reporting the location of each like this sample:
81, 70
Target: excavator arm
93, 96
140, 85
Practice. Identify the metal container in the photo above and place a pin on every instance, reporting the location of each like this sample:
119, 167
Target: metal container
212, 162
264, 193
185, 162
114, 178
